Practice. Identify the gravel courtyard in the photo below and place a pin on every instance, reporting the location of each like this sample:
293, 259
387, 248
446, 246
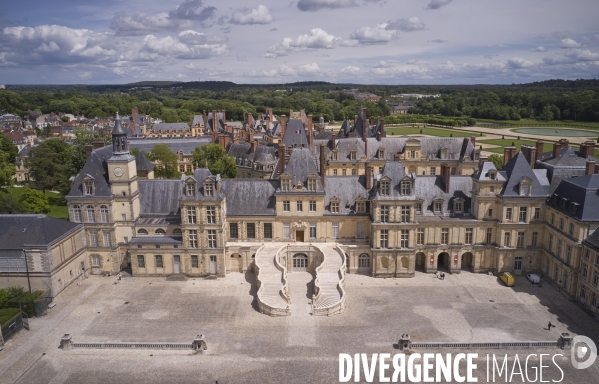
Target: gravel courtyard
246, 346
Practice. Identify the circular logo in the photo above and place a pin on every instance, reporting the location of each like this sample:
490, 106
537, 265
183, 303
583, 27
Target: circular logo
583, 346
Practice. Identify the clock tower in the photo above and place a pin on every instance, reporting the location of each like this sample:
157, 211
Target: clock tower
122, 175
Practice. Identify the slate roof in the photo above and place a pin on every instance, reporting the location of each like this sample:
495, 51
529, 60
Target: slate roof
592, 240
142, 163
162, 127
118, 129
198, 120
248, 197
483, 172
241, 152
185, 144
96, 168
346, 188
301, 164
517, 169
19, 230
293, 139
430, 189
160, 197
155, 240
578, 197
568, 164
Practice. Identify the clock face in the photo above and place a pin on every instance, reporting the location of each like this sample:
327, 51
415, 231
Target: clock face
118, 172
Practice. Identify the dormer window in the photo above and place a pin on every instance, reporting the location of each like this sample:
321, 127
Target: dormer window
406, 187
88, 188
438, 206
352, 155
190, 189
524, 189
312, 184
335, 205
492, 175
385, 189
360, 206
334, 155
381, 154
285, 183
458, 206
443, 153
208, 189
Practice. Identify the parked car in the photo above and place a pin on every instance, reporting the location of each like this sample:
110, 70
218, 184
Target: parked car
507, 278
535, 279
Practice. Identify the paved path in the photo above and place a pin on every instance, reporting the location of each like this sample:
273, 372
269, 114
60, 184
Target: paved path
301, 325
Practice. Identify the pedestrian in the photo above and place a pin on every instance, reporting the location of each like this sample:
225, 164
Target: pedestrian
549, 326
443, 276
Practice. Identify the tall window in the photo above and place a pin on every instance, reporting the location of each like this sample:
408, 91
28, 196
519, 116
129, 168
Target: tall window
104, 214
285, 184
568, 254
335, 231
76, 213
405, 213
190, 189
553, 219
96, 260
233, 231
412, 154
191, 215
520, 240
561, 223
550, 243
364, 261
360, 206
212, 238
438, 206
506, 239
91, 216
268, 230
524, 189
490, 212
433, 171
384, 213
334, 207
385, 188
523, 214
251, 231
444, 236
211, 215
343, 172
406, 187
312, 206
286, 234
585, 270
158, 261
384, 239
208, 189
194, 261
535, 239
489, 238
420, 236
587, 254
352, 155
508, 214
537, 213
458, 206
141, 262
313, 231
571, 231
360, 230
286, 206
106, 238
193, 238
468, 239
418, 207
88, 188
93, 238
559, 248
312, 184
595, 279
299, 205
404, 240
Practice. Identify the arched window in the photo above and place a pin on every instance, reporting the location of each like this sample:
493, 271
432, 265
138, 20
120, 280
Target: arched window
364, 261
104, 213
76, 213
142, 231
177, 232
159, 231
91, 216
300, 261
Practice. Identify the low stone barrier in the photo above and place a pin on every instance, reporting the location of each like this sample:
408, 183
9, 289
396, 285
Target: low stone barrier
565, 341
198, 344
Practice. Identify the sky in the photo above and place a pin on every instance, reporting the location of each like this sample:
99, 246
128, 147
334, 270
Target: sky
281, 41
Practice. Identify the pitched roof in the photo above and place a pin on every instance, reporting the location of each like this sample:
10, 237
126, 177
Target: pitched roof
346, 188
301, 164
250, 196
295, 134
483, 172
19, 230
142, 163
160, 197
162, 127
592, 240
185, 144
430, 189
517, 169
578, 197
96, 168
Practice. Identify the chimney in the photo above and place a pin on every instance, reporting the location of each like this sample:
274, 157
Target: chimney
355, 121
596, 168
205, 121
283, 124
351, 134
368, 178
333, 141
250, 120
590, 167
281, 158
539, 152
473, 141
214, 121
98, 145
556, 149
133, 119
508, 153
587, 149
310, 131
88, 150
224, 116
445, 175
364, 125
322, 162
214, 136
236, 139
481, 160
382, 121
397, 157
564, 143
224, 141
270, 114
378, 136
253, 146
371, 121
530, 153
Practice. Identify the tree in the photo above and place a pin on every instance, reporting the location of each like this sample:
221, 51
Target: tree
167, 162
7, 147
34, 201
47, 164
78, 156
497, 161
215, 158
9, 203
7, 170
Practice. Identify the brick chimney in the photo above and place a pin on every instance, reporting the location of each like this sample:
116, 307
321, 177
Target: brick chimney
364, 124
270, 115
88, 150
355, 121
253, 146
473, 140
310, 131
236, 139
224, 116
368, 178
283, 125
224, 141
590, 167
281, 158
205, 120
371, 121
214, 136
98, 145
133, 119
214, 121
250, 120
530, 153
564, 143
508, 154
587, 149
333, 141
539, 153
481, 160
351, 134
378, 136
556, 149
445, 175
322, 162
382, 121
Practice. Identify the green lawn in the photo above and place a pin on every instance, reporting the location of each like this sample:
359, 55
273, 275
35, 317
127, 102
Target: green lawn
58, 205
537, 123
7, 314
517, 143
399, 131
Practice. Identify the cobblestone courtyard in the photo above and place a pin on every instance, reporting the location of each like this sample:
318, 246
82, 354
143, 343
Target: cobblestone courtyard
246, 346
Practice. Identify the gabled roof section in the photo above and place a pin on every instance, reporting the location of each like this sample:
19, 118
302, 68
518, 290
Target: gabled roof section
301, 164
17, 231
592, 241
583, 191
517, 168
295, 134
431, 188
163, 127
160, 197
346, 188
484, 170
96, 167
198, 120
249, 197
142, 163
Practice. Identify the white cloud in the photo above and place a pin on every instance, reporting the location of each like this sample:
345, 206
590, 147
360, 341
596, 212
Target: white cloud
193, 10
406, 25
438, 41
371, 36
316, 39
195, 38
580, 55
436, 4
569, 43
171, 46
181, 76
518, 63
316, 5
350, 70
260, 15
308, 69
189, 66
538, 49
